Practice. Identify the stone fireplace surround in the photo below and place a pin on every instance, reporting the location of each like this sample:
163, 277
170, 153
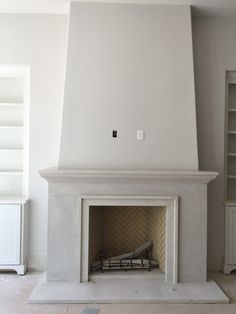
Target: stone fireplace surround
182, 193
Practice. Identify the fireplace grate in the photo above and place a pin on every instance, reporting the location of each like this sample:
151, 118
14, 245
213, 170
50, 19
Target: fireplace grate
140, 259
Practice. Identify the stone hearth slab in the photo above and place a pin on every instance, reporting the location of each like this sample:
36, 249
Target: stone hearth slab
130, 290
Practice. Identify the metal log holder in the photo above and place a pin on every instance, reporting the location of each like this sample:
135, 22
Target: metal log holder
112, 264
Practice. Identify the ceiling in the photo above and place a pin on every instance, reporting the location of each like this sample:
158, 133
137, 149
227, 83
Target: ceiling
203, 8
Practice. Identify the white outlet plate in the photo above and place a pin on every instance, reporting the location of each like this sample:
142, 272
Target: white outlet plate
140, 135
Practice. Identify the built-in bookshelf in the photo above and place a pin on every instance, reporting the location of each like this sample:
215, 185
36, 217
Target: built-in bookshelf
14, 117
14, 113
230, 137
229, 263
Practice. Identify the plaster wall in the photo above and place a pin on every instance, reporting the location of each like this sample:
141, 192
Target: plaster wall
129, 67
214, 53
40, 42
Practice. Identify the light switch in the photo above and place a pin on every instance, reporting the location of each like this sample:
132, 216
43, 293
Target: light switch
114, 133
140, 135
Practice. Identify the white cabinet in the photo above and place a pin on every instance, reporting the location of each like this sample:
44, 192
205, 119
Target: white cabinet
230, 237
13, 235
10, 234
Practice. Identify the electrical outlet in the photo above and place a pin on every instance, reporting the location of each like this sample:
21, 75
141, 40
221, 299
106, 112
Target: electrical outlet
140, 135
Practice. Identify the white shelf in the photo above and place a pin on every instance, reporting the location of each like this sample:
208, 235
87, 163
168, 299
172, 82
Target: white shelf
230, 202
12, 199
231, 154
12, 149
231, 176
11, 104
11, 126
231, 110
7, 148
11, 172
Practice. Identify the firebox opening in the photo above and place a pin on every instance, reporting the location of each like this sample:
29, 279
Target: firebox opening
117, 230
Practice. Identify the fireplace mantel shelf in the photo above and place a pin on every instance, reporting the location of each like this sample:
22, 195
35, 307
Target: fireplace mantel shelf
55, 174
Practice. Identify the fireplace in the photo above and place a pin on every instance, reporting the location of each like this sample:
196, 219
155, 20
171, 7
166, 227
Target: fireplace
117, 232
127, 77
120, 224
80, 200
75, 195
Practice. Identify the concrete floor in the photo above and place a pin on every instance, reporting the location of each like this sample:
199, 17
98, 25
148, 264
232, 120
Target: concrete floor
15, 290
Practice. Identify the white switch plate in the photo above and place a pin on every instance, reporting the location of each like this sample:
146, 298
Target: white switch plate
140, 135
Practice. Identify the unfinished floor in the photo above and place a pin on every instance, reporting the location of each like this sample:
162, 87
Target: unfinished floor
15, 290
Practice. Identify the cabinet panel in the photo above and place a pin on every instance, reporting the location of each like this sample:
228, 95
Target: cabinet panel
10, 230
231, 213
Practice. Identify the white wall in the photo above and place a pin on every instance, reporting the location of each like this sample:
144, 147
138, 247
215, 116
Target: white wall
129, 67
40, 41
214, 53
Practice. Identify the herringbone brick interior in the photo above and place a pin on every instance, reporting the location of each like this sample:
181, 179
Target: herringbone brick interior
157, 233
121, 229
96, 233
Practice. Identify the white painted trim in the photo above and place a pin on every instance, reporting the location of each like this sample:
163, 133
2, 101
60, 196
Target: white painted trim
109, 176
26, 131
13, 71
80, 223
13, 200
227, 269
20, 269
176, 239
85, 242
171, 204
231, 77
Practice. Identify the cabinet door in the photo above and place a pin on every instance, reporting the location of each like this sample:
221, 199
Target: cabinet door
10, 222
231, 224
